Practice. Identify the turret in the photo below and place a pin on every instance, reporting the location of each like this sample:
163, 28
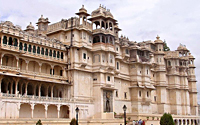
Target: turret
42, 24
83, 15
30, 28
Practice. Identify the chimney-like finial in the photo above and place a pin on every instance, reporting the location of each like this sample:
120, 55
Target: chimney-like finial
82, 6
157, 37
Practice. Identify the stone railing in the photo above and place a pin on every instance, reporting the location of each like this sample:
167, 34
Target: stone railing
9, 68
42, 56
10, 47
32, 97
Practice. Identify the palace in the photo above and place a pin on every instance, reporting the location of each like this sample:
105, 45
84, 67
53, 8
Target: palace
82, 62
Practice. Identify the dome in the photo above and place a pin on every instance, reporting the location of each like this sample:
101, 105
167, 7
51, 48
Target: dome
101, 11
158, 40
82, 10
182, 47
41, 18
30, 27
191, 56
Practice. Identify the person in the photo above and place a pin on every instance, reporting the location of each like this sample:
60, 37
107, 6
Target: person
143, 123
140, 122
133, 122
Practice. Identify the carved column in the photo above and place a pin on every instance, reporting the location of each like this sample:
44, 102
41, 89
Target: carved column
32, 109
27, 65
26, 91
46, 108
16, 84
2, 55
52, 91
39, 90
58, 108
40, 68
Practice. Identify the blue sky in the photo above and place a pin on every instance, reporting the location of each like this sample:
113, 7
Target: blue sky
176, 21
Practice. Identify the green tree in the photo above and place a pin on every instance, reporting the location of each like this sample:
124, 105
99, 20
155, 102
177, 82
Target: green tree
165, 47
73, 121
39, 122
167, 119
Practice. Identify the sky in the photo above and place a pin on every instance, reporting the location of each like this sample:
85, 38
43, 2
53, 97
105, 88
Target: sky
175, 21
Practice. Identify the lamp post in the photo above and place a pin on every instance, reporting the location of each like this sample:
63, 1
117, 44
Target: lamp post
124, 108
77, 110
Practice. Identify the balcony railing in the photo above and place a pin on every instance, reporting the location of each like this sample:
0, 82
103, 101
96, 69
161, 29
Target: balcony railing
2, 67
32, 97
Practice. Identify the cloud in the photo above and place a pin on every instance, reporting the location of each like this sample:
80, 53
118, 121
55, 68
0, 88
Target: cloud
175, 21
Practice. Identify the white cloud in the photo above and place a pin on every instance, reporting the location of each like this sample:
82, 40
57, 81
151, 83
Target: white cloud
175, 21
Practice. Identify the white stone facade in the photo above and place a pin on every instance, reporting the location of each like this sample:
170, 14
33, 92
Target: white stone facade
81, 62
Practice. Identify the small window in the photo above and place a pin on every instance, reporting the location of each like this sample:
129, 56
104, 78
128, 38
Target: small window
147, 72
61, 72
117, 48
140, 93
127, 51
153, 75
108, 78
42, 51
125, 95
29, 48
50, 52
117, 65
58, 54
84, 55
116, 93
147, 94
155, 98
65, 37
46, 52
61, 56
20, 46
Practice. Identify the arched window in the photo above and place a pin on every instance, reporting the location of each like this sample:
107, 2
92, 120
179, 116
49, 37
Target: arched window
25, 47
15, 42
46, 52
96, 39
54, 53
42, 51
5, 40
10, 42
20, 46
34, 49
50, 52
29, 48
38, 50
58, 54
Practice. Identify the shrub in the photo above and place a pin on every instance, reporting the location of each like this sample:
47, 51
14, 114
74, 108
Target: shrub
39, 122
167, 119
73, 121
